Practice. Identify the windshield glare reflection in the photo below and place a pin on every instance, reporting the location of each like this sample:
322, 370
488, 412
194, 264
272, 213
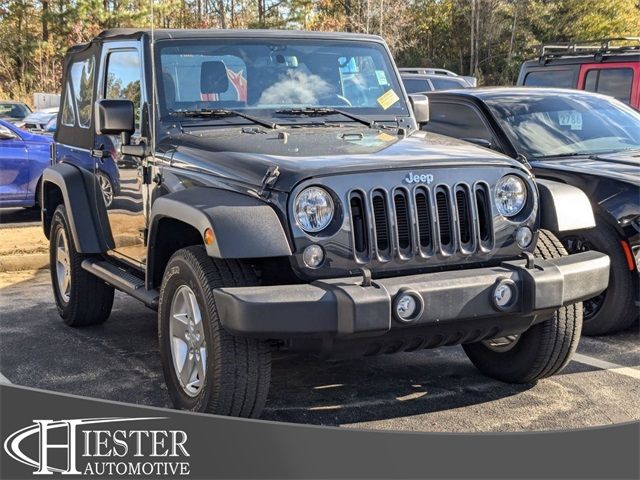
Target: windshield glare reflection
275, 74
568, 124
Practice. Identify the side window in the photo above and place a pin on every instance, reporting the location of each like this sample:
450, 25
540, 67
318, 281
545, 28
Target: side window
79, 94
124, 78
615, 82
445, 84
550, 78
458, 121
591, 80
416, 85
68, 118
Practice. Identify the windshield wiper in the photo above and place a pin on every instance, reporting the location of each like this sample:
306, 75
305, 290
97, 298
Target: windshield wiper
321, 111
223, 112
561, 155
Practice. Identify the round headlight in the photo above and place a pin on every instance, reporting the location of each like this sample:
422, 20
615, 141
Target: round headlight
313, 209
511, 195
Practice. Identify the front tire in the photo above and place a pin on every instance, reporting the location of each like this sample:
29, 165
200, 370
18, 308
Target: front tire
207, 369
614, 309
539, 352
82, 298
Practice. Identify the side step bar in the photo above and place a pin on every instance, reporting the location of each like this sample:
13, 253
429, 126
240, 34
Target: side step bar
122, 280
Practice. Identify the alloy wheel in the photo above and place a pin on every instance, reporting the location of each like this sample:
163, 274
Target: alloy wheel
188, 345
107, 189
63, 265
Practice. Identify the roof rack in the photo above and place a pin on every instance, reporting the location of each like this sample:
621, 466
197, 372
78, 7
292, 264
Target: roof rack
428, 71
590, 47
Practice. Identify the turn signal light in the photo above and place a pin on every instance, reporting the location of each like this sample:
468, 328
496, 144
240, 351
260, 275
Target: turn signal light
208, 236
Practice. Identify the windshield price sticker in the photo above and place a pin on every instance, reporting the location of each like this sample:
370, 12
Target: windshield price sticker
387, 99
572, 118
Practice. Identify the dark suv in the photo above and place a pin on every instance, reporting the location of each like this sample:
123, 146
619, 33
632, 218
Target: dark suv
285, 199
610, 66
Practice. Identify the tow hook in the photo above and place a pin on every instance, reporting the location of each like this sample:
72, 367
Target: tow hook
530, 258
366, 277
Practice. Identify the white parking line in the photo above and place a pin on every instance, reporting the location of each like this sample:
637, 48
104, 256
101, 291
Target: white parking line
604, 365
4, 379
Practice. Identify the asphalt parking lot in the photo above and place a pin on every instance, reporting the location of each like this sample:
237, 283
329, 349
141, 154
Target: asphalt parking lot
432, 390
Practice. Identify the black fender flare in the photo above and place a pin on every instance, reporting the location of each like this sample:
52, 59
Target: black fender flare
563, 207
243, 226
87, 217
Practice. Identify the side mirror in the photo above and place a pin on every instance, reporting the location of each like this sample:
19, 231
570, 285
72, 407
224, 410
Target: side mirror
115, 117
420, 105
6, 134
482, 142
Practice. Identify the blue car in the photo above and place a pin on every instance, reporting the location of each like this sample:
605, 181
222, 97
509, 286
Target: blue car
23, 157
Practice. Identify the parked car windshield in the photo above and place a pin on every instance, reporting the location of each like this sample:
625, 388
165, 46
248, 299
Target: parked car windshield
13, 110
267, 77
550, 125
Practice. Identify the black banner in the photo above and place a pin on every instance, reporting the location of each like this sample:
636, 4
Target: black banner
65, 435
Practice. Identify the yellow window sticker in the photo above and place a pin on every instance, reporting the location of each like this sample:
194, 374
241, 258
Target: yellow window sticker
387, 99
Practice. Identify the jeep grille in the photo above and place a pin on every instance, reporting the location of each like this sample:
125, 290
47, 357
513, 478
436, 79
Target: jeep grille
421, 221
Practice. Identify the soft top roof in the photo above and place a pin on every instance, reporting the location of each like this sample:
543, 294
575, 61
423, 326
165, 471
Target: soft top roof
163, 34
166, 34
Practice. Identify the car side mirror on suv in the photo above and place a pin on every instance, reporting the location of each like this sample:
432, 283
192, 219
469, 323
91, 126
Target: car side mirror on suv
420, 104
117, 117
6, 134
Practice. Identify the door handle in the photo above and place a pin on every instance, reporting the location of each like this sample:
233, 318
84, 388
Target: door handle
99, 153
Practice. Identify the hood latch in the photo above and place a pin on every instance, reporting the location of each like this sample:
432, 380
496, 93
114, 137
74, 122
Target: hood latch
269, 180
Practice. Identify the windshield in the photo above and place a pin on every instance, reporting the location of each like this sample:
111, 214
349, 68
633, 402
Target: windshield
269, 78
545, 125
13, 110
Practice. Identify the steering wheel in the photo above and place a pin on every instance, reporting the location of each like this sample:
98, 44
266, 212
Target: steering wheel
334, 98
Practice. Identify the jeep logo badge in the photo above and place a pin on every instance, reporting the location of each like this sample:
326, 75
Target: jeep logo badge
414, 178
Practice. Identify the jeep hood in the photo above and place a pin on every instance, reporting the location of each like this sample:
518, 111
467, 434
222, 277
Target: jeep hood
243, 155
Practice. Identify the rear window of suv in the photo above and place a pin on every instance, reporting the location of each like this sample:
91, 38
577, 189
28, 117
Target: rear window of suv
550, 78
615, 82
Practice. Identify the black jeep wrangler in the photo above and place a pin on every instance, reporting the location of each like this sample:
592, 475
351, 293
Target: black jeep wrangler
282, 197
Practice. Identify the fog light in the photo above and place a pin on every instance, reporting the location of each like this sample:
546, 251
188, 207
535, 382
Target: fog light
313, 256
524, 237
408, 306
505, 294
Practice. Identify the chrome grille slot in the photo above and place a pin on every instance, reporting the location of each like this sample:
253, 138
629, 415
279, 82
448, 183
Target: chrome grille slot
381, 222
359, 226
465, 218
444, 220
405, 223
485, 224
424, 220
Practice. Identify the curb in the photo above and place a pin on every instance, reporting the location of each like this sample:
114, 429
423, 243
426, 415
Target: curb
34, 261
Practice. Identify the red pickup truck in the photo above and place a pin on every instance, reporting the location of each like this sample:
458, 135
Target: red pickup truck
610, 66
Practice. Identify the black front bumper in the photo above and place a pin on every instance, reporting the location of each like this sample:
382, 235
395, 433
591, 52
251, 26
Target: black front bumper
342, 308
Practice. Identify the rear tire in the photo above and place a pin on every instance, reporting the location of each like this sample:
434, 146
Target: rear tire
82, 298
614, 309
224, 374
539, 352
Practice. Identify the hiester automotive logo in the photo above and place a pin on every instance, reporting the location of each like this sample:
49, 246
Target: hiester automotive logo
99, 446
